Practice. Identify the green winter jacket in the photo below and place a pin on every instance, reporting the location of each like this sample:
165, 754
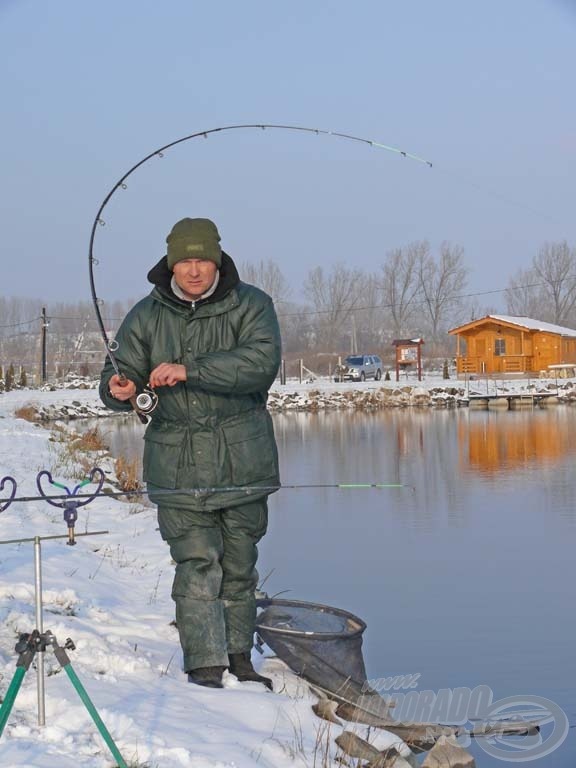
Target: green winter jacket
212, 431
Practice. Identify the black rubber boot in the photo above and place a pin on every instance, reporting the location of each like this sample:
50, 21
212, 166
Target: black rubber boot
241, 666
209, 677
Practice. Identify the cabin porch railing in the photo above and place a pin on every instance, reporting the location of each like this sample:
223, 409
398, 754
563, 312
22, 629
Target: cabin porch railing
468, 365
501, 364
516, 363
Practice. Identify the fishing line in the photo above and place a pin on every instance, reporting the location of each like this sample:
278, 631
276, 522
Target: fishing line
463, 180
111, 345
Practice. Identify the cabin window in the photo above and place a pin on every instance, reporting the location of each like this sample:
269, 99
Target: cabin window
499, 347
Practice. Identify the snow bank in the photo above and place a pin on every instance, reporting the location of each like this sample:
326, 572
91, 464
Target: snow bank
70, 402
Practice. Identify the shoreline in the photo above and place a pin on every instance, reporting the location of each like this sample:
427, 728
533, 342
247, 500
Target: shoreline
82, 402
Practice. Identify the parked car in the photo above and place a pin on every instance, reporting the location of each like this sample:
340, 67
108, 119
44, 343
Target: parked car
359, 368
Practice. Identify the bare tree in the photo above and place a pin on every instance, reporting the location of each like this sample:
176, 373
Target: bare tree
441, 284
297, 328
474, 309
333, 297
370, 318
547, 290
400, 283
555, 265
268, 276
524, 295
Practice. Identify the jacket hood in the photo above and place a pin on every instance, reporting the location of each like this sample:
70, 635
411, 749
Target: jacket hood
161, 276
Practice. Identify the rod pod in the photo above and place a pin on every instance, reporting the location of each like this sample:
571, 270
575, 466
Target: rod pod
27, 647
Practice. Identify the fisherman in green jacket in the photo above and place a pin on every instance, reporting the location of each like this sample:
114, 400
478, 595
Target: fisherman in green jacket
209, 345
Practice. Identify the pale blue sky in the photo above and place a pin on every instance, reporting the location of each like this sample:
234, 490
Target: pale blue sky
483, 89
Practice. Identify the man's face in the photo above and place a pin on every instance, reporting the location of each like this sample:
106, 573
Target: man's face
194, 276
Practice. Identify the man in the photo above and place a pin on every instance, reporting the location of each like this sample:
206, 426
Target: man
210, 346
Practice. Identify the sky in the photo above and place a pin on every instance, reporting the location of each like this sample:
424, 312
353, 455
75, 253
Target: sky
483, 90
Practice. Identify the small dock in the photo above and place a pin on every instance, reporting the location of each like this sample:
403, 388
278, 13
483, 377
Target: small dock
511, 400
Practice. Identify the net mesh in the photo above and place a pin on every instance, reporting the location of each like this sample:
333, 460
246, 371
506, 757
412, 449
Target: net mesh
320, 643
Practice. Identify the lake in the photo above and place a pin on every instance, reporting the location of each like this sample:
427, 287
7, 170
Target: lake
466, 575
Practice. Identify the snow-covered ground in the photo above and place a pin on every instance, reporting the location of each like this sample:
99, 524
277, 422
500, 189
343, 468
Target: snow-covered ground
111, 595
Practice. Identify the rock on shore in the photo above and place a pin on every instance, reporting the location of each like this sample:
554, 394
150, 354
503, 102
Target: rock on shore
46, 406
366, 399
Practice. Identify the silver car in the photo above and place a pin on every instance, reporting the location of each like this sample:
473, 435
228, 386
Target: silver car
359, 368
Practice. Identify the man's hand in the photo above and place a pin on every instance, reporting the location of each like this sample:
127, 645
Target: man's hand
167, 375
121, 389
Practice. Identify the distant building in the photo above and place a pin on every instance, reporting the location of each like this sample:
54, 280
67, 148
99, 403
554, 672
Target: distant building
500, 344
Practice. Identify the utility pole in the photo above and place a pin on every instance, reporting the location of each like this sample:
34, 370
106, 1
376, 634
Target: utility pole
353, 340
43, 339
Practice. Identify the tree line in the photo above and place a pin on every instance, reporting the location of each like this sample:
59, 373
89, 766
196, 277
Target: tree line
416, 291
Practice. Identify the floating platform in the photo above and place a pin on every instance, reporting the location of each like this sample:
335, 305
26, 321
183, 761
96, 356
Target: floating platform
515, 401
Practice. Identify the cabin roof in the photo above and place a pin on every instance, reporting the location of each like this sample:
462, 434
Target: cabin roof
527, 323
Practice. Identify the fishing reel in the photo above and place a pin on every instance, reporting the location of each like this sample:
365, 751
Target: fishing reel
147, 400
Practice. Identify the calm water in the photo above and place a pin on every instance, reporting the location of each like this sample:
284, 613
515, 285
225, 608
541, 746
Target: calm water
467, 576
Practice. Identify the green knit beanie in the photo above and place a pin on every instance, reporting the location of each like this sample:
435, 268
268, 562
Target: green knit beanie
194, 239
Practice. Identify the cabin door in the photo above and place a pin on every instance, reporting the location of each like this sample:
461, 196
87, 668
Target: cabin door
545, 352
481, 358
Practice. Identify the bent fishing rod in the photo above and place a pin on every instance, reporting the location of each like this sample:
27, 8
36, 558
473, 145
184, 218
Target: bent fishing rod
145, 402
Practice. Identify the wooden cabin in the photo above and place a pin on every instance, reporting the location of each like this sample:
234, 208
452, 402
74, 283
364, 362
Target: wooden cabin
500, 344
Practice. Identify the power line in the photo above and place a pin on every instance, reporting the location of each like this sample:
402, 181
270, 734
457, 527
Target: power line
413, 302
23, 322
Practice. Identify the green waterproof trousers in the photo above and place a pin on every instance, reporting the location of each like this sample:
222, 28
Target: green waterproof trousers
215, 554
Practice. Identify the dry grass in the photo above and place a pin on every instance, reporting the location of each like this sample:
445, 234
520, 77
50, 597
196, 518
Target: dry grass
58, 433
26, 412
91, 440
128, 473
73, 452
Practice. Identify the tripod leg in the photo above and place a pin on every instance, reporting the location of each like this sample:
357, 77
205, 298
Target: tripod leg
10, 697
94, 714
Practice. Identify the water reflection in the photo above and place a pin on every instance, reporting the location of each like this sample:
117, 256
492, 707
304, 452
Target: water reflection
489, 443
496, 443
414, 448
434, 454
